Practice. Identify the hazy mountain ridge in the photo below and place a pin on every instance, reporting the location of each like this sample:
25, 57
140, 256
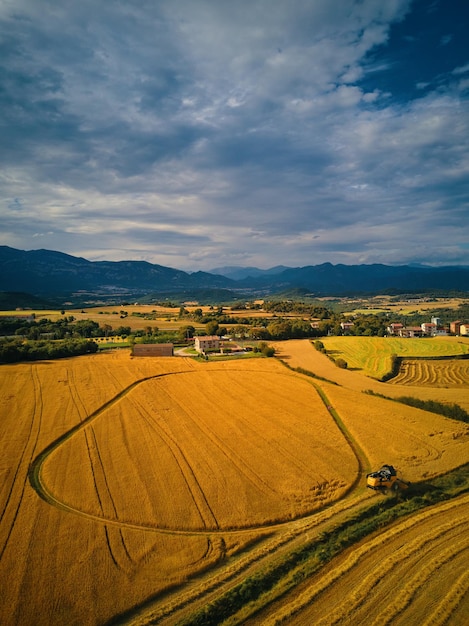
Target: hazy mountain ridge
47, 273
238, 272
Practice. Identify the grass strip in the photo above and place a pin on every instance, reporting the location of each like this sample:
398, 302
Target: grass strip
305, 372
453, 411
287, 572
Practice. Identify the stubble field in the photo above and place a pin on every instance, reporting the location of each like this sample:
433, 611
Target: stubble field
124, 478
421, 373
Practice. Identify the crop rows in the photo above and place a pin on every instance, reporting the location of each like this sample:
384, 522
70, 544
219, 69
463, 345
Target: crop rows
372, 355
433, 373
386, 578
198, 443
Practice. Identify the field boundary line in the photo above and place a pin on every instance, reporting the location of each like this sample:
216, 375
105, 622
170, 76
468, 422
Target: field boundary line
362, 459
13, 500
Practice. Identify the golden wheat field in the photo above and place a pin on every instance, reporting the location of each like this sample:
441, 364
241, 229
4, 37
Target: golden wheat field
123, 479
140, 469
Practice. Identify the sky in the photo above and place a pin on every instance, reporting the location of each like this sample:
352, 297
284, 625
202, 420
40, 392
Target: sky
198, 134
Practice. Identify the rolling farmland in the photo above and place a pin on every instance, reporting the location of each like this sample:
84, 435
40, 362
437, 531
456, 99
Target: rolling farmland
142, 488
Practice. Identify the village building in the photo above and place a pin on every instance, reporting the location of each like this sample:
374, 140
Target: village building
207, 343
429, 328
394, 328
346, 326
411, 331
454, 327
153, 349
439, 332
464, 329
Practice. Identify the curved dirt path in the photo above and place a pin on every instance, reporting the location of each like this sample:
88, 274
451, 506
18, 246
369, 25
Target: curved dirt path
39, 485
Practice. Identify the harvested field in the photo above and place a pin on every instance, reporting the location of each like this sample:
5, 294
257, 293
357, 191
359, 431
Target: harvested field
414, 573
433, 373
421, 444
372, 355
418, 443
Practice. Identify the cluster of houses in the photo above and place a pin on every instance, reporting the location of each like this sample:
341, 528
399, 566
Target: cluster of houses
428, 329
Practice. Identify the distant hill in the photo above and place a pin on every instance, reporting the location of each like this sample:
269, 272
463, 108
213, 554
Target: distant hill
235, 272
11, 300
329, 279
60, 277
50, 274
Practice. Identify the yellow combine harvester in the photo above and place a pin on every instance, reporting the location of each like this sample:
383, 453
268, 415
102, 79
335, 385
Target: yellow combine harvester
385, 479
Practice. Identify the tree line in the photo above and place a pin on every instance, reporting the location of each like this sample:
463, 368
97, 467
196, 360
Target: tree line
15, 350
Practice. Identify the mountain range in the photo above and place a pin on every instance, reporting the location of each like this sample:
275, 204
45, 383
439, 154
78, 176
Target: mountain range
62, 277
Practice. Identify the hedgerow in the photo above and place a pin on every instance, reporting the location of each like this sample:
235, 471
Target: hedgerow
453, 411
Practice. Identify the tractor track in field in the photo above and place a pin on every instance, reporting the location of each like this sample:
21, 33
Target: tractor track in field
232, 457
114, 538
201, 503
285, 538
19, 479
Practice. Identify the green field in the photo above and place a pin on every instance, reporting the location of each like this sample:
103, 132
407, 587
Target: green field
373, 355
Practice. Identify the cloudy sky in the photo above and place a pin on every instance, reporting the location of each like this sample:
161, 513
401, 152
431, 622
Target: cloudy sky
204, 133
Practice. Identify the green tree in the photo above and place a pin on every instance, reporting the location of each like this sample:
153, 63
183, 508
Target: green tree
123, 331
211, 327
186, 332
87, 328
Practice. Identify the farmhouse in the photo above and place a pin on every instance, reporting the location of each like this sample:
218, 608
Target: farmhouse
207, 342
153, 349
